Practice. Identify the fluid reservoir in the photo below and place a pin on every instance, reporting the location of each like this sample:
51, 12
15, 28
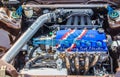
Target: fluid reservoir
114, 18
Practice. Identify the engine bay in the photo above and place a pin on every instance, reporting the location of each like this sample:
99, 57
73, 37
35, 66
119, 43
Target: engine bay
68, 39
78, 44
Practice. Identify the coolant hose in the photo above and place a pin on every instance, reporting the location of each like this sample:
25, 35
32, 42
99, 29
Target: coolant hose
26, 36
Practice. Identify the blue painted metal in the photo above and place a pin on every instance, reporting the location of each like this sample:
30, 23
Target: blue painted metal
112, 13
19, 10
110, 9
92, 41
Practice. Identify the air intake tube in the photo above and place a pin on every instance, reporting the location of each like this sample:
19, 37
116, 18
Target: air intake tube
26, 36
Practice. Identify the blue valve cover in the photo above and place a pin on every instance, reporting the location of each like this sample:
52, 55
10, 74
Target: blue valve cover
91, 41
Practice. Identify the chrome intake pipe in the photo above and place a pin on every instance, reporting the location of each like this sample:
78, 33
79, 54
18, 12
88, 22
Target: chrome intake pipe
26, 36
86, 64
77, 65
89, 65
96, 58
67, 62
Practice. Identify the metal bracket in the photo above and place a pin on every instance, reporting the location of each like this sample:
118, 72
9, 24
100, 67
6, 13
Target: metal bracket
2, 72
